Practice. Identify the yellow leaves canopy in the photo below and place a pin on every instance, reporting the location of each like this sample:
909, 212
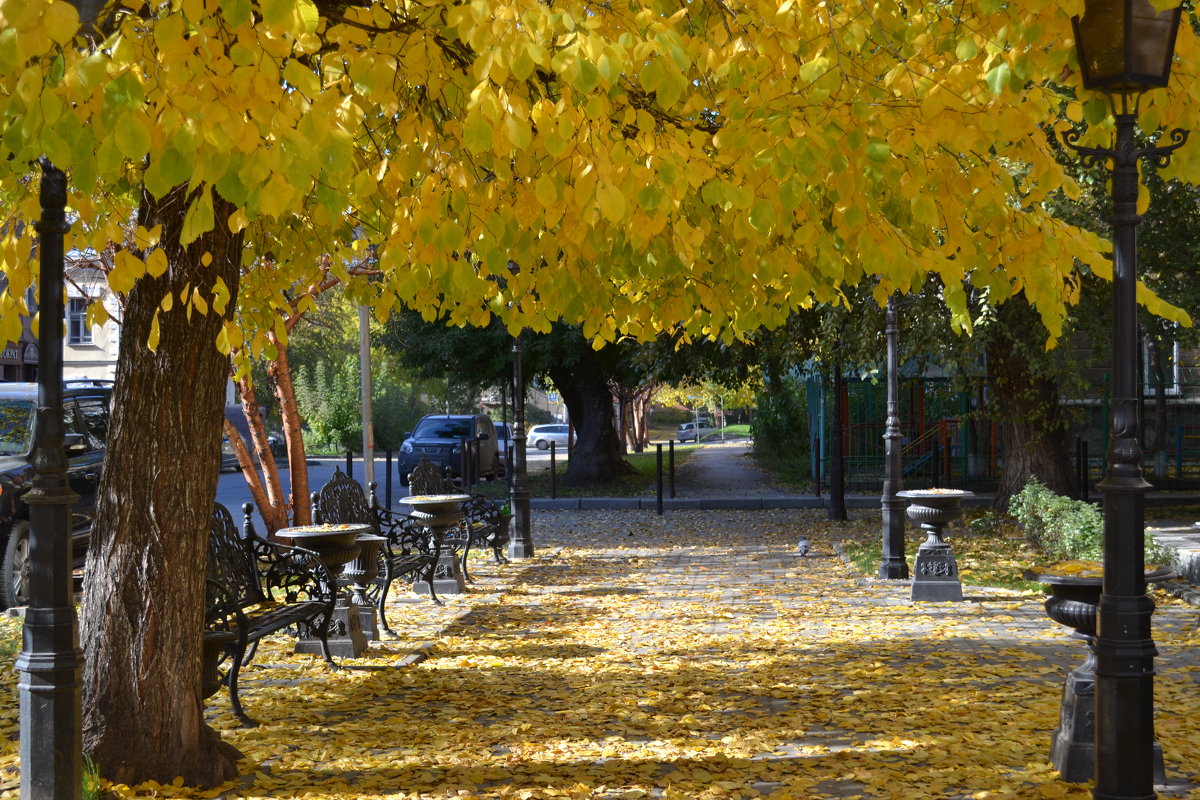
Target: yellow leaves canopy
716, 163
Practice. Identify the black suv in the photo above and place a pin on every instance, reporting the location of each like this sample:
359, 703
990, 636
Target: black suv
86, 409
441, 438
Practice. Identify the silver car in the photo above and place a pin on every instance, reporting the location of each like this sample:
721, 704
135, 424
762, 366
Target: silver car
540, 436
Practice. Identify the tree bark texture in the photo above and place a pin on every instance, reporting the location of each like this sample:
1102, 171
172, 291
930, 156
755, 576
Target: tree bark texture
269, 497
1026, 406
280, 372
144, 594
597, 455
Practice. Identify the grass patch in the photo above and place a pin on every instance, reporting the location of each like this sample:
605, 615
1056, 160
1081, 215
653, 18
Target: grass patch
789, 471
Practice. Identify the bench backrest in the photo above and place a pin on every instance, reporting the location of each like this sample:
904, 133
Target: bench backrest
342, 501
230, 562
426, 478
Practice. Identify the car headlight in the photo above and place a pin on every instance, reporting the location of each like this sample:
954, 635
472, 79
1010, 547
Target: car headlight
406, 447
457, 449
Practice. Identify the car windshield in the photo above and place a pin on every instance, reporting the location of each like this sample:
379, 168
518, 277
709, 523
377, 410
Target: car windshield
16, 426
434, 428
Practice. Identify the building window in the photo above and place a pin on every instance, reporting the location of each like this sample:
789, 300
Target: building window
78, 330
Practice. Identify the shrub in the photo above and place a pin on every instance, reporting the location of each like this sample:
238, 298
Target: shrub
1063, 528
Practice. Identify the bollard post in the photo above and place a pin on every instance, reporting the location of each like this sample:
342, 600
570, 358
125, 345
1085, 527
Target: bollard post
658, 479
553, 474
671, 468
817, 464
387, 479
350, 464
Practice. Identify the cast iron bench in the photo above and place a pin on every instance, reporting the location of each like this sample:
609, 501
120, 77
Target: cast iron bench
257, 588
408, 550
483, 524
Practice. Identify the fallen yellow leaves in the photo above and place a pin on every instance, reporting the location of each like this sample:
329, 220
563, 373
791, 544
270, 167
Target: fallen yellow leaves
699, 658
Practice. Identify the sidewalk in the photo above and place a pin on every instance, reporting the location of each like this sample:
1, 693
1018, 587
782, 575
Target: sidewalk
695, 655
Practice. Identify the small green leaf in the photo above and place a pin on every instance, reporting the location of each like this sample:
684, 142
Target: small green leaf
997, 78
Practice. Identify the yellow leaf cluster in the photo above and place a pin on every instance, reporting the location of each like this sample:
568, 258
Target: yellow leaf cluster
641, 165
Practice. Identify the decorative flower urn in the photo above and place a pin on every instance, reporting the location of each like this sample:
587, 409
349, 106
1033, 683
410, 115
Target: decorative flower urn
1074, 595
441, 513
935, 572
336, 545
360, 576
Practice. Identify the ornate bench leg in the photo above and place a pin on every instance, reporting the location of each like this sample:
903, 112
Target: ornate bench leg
462, 560
235, 667
385, 584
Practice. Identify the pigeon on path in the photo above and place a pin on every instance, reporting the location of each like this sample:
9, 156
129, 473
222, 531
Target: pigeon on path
803, 547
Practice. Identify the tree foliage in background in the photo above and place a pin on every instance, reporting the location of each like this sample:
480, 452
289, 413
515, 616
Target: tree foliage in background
329, 394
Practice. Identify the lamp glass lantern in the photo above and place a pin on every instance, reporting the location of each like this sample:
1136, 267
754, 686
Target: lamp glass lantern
1125, 45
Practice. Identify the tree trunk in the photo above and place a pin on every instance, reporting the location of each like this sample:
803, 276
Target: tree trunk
143, 601
280, 371
596, 457
272, 505
1025, 403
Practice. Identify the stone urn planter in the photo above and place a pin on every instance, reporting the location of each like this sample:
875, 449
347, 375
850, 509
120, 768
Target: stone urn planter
935, 572
336, 545
441, 513
360, 576
1074, 595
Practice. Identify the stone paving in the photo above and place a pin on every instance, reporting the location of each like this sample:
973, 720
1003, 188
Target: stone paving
799, 677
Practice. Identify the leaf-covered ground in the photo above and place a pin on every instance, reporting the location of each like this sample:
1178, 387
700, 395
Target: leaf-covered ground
692, 655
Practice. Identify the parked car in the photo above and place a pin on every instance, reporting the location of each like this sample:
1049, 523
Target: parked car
691, 432
503, 440
540, 436
441, 438
86, 413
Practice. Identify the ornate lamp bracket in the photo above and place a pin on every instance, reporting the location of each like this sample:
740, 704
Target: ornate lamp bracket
1099, 156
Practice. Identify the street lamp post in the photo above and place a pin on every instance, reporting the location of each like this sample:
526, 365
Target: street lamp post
893, 566
50, 660
521, 544
1125, 48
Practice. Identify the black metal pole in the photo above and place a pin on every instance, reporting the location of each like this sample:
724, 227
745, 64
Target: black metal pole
817, 464
671, 468
837, 464
658, 479
553, 472
51, 660
350, 464
521, 544
1124, 646
387, 478
894, 564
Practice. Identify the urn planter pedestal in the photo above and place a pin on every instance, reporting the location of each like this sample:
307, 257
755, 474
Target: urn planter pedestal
336, 546
441, 513
935, 572
1072, 602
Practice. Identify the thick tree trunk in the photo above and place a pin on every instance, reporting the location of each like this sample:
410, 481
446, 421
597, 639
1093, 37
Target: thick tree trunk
1025, 403
143, 601
596, 457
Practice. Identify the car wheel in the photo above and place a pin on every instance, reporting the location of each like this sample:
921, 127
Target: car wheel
16, 566
542, 444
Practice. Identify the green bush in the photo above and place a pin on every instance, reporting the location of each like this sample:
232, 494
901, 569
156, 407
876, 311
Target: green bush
1063, 528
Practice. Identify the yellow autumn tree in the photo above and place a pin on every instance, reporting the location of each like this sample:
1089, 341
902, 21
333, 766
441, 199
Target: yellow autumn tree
630, 166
